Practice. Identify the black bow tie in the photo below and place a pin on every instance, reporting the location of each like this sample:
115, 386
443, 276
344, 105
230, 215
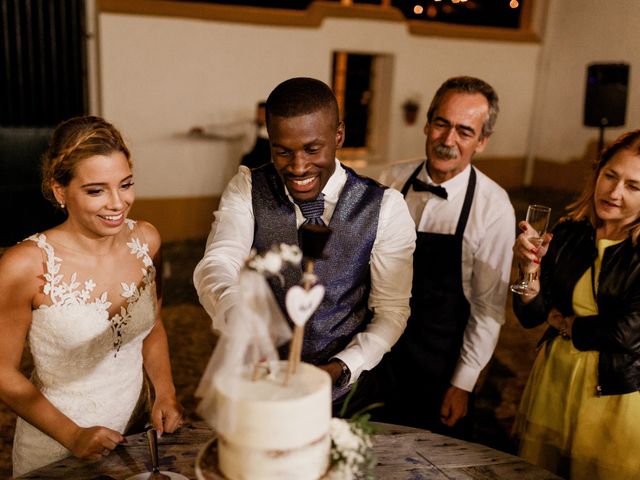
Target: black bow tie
420, 186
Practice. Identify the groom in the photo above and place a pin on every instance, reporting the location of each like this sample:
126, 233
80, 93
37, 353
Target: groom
367, 272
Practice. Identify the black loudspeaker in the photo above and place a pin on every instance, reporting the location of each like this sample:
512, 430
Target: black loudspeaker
605, 103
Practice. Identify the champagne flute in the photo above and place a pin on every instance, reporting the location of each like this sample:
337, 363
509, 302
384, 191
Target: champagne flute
538, 220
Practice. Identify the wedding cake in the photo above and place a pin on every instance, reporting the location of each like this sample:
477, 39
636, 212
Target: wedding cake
280, 431
272, 417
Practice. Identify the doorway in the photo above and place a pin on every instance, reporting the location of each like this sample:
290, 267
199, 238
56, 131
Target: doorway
361, 83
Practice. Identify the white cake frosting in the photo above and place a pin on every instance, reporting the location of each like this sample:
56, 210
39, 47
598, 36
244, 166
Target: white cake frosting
278, 431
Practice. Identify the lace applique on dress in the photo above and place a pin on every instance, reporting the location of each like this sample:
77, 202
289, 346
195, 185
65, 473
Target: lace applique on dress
63, 293
131, 292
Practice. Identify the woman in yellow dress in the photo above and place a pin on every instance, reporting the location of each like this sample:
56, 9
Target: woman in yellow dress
579, 414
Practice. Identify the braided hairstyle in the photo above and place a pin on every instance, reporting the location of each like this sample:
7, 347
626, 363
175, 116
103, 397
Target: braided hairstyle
73, 141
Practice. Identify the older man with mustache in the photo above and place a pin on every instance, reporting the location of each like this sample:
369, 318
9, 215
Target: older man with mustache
465, 228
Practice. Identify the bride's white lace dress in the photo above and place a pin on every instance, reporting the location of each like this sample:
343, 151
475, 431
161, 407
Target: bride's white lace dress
87, 363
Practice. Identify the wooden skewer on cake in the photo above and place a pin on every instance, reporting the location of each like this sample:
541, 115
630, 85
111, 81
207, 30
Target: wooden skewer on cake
295, 353
303, 301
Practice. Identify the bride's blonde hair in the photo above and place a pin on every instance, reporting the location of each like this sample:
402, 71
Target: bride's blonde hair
73, 141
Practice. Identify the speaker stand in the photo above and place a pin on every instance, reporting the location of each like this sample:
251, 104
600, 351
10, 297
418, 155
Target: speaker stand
601, 140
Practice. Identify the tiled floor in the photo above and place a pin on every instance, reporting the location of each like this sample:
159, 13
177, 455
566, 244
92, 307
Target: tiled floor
191, 342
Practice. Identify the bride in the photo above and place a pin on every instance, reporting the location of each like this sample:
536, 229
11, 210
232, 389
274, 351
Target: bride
86, 297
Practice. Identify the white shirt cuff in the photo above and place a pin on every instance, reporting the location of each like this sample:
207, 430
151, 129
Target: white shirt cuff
352, 359
465, 377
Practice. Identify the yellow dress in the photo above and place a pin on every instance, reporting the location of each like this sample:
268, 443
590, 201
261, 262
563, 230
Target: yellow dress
562, 424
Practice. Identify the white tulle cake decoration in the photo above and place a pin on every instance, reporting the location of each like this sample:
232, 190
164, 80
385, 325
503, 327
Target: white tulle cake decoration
272, 418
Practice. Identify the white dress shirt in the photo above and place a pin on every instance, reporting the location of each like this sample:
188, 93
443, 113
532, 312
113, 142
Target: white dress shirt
486, 254
231, 237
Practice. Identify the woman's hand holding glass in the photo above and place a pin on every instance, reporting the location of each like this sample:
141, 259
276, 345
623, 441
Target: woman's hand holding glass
531, 245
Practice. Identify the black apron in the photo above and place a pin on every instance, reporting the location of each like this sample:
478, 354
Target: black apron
418, 369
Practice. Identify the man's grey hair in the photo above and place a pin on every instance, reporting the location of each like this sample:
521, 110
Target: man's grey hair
469, 85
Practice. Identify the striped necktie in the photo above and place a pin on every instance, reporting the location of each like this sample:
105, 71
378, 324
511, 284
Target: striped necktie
313, 210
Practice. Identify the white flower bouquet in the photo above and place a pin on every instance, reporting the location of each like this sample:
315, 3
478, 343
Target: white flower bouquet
352, 456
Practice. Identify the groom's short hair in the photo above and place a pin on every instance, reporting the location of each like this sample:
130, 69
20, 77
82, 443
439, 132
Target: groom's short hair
301, 96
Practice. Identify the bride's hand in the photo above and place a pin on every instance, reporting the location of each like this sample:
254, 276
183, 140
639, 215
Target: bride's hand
524, 251
167, 414
93, 443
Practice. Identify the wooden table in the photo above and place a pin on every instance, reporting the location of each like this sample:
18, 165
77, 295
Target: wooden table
402, 453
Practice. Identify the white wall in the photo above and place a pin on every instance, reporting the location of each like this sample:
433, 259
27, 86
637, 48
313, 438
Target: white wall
579, 33
160, 75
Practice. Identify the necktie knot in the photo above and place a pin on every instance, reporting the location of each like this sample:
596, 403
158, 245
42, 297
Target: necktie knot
313, 210
420, 186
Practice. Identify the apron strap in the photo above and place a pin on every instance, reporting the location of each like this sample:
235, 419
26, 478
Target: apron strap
413, 176
468, 199
466, 206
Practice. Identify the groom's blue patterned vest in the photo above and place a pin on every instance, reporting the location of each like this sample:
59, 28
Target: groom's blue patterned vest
344, 273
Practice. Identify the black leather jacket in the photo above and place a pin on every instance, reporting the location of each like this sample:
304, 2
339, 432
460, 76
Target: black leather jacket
615, 331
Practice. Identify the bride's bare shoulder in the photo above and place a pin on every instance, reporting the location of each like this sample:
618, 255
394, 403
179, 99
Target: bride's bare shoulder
150, 235
22, 262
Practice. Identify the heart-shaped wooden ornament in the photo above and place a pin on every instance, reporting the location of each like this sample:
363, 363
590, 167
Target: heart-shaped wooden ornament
302, 303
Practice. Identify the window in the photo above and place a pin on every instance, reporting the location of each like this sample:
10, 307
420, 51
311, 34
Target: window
502, 20
356, 79
352, 86
489, 13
